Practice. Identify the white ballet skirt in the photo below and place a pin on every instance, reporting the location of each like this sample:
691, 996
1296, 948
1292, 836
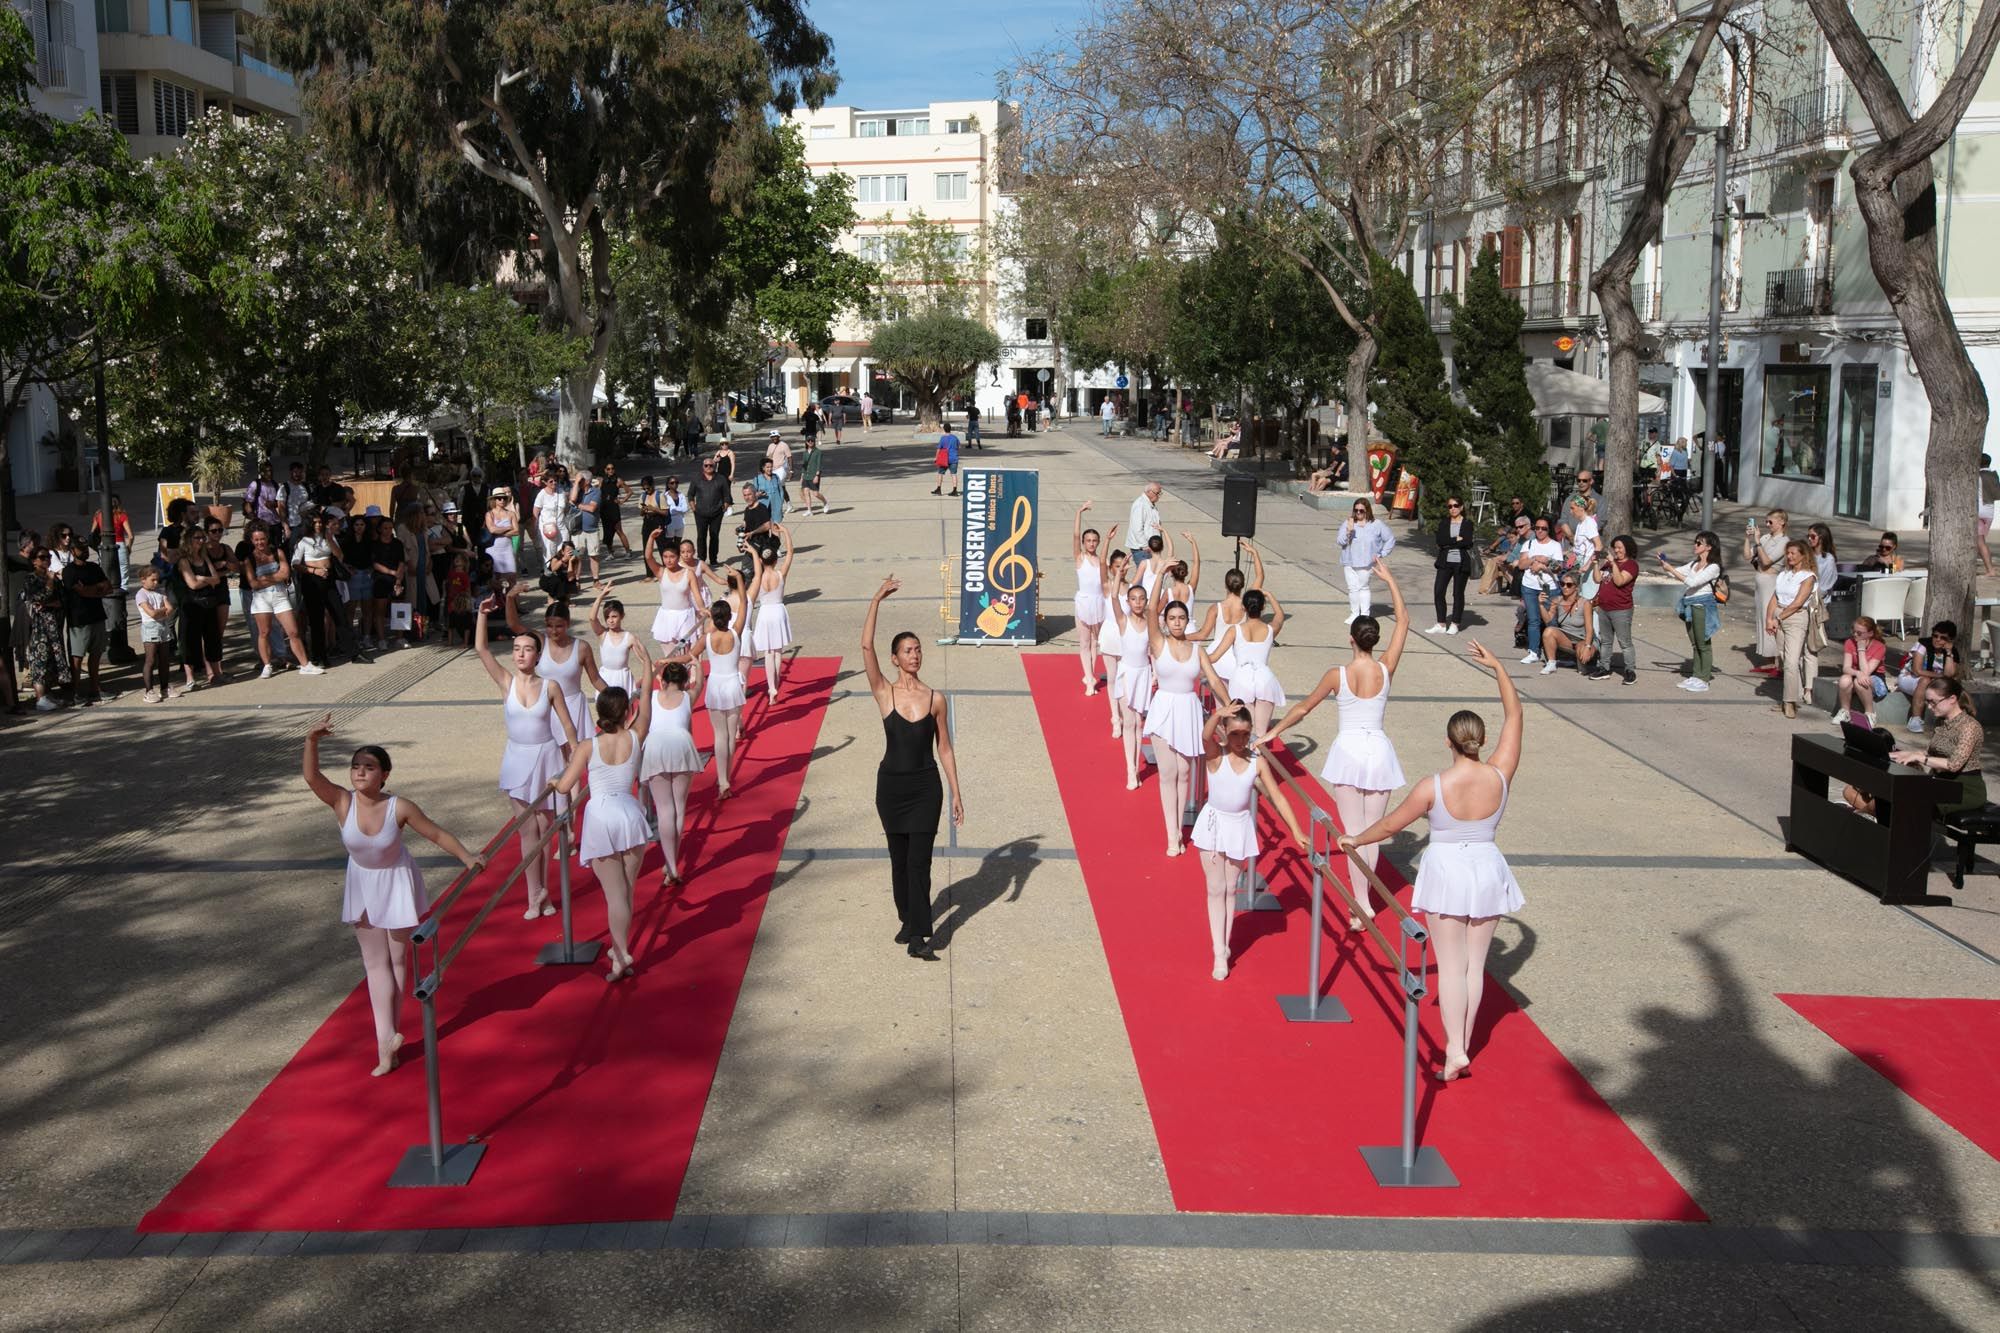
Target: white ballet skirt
383, 882
531, 760
773, 632
1462, 872
614, 652
568, 676
1175, 713
670, 747
1253, 681
677, 619
1227, 823
1361, 756
724, 689
613, 819
1090, 608
1134, 686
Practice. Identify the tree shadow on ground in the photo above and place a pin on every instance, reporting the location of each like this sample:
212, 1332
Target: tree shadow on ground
1759, 1140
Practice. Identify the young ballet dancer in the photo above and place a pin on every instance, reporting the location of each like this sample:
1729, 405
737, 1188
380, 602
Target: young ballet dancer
536, 718
384, 895
679, 617
915, 726
1247, 646
670, 760
773, 631
1116, 567
1083, 547
1183, 577
614, 823
564, 660
616, 645
723, 695
1229, 612
1361, 763
1225, 832
1173, 716
1464, 885
1133, 689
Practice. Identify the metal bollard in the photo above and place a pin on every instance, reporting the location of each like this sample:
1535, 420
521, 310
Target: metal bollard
1407, 1166
566, 950
1313, 1007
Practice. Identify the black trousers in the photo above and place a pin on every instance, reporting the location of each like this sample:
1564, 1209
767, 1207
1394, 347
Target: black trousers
910, 878
317, 594
201, 633
707, 537
1452, 576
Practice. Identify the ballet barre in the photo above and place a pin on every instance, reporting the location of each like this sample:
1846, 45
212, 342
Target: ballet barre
435, 1162
1314, 1007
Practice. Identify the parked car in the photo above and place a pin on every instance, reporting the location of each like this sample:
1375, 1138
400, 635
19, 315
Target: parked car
849, 408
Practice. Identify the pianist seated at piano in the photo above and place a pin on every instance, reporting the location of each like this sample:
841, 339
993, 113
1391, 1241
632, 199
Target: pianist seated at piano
1951, 750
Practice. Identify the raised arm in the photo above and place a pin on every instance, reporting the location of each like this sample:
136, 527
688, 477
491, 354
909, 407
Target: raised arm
869, 663
514, 622
413, 817
481, 646
1256, 563
1216, 685
1328, 683
1194, 562
1155, 636
1076, 533
597, 608
1507, 752
333, 797
785, 560
1277, 612
1400, 611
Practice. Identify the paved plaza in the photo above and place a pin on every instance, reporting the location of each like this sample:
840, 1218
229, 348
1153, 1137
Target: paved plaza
968, 1144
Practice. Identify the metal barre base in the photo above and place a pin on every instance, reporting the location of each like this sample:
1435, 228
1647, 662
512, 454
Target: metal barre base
581, 952
1257, 900
1428, 1171
1299, 1009
414, 1171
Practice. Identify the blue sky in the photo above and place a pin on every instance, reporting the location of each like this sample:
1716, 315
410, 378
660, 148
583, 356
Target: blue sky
907, 53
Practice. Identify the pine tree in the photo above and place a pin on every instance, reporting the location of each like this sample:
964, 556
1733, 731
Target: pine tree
1413, 406
1492, 373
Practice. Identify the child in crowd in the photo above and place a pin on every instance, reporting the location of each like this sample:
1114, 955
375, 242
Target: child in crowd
1927, 662
156, 634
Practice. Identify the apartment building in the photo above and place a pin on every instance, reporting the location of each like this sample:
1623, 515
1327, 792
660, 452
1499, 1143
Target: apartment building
941, 161
152, 67
1820, 404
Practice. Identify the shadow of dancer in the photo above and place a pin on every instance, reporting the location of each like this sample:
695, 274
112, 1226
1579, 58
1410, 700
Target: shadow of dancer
1002, 872
1761, 1141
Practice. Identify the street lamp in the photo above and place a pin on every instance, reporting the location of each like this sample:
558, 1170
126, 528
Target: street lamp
1717, 236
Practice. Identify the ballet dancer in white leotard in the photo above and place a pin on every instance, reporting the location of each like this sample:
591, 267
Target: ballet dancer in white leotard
773, 631
1227, 613
1117, 566
1361, 763
565, 660
1133, 690
1247, 646
723, 696
1090, 610
1464, 885
615, 835
617, 647
384, 896
678, 620
1225, 832
670, 760
1182, 578
1173, 717
533, 757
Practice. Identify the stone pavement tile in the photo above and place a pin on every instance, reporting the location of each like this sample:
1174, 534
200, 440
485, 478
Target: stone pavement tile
805, 1231
929, 1228
10, 1237
319, 1244
162, 1244
1007, 1228
1090, 1229
443, 1240
966, 1228
1141, 1229
889, 1229
1860, 1249
238, 1243
573, 1236
35, 1247
1049, 1229
687, 1231
194, 1245
725, 1232
645, 1235
764, 1231
1250, 1233
846, 1229
120, 1244
278, 1244
80, 1242
503, 1240
402, 1242
91, 1297
604, 1236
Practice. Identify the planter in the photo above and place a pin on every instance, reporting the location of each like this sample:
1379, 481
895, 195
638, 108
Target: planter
221, 513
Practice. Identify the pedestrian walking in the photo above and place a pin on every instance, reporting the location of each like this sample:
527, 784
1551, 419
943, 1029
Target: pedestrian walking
708, 499
947, 461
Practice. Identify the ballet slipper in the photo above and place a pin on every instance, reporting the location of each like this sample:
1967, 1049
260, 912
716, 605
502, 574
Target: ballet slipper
386, 1065
1451, 1073
1221, 972
1131, 783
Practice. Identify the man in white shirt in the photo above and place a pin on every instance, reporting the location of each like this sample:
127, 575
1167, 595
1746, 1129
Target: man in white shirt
867, 412
1540, 562
1108, 411
1143, 523
780, 455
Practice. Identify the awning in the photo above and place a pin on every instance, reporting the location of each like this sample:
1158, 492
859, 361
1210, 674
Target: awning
1564, 393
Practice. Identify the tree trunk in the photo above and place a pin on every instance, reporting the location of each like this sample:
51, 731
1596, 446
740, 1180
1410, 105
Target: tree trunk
573, 414
1613, 285
1360, 369
322, 432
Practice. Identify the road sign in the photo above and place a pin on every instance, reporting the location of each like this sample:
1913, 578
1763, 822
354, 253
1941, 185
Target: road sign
1043, 376
1124, 383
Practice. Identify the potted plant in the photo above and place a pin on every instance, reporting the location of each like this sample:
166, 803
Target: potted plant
214, 466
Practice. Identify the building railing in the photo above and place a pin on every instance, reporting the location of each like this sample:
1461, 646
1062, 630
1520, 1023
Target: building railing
1549, 300
1813, 117
1799, 291
264, 67
1543, 163
1646, 300
1456, 186
1440, 310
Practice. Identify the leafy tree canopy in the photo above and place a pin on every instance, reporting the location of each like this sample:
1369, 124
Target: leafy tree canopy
1492, 374
1413, 401
935, 353
1250, 317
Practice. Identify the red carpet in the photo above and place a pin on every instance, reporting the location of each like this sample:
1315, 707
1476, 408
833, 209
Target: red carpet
1943, 1053
587, 1095
1258, 1115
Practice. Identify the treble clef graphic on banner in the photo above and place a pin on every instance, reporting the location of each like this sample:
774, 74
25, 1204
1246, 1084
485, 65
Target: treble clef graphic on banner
1007, 570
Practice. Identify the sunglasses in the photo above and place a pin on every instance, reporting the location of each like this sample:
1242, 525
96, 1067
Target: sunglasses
1541, 527
1885, 548
1569, 583
1454, 505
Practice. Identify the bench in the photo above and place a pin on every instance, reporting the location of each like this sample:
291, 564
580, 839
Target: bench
1972, 829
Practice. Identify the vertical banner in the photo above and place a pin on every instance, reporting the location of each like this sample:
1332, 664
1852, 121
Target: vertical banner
996, 590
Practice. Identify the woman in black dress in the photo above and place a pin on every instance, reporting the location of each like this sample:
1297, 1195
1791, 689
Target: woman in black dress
907, 791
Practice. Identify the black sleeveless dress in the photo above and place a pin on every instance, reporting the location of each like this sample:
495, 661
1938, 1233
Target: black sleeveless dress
908, 793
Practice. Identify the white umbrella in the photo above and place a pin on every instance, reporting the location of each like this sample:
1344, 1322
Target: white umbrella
1565, 393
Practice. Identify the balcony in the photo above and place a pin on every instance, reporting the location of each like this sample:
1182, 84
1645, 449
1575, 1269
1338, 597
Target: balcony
1814, 121
1549, 302
1798, 292
1546, 163
119, 52
1632, 166
1455, 187
1646, 300
1439, 310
